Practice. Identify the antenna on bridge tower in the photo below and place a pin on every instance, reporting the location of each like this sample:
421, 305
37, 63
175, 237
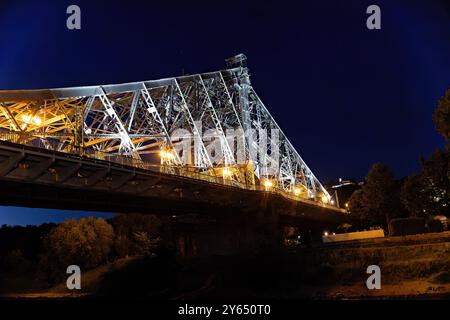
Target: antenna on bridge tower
239, 60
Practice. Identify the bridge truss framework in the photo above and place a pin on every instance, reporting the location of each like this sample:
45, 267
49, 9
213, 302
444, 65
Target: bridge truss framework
142, 124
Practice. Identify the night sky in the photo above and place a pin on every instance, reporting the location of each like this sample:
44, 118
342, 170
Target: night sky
345, 96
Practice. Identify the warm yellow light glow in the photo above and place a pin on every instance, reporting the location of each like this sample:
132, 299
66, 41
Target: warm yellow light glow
325, 199
325, 234
268, 184
27, 119
297, 191
166, 155
37, 121
346, 205
226, 172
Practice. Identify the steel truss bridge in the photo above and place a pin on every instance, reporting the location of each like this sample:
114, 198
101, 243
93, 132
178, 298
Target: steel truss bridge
131, 138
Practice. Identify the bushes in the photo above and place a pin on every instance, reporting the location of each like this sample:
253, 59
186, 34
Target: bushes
14, 261
435, 225
88, 243
410, 226
85, 242
136, 234
406, 226
27, 240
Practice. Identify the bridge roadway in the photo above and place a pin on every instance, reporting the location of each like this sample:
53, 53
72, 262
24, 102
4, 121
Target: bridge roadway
36, 177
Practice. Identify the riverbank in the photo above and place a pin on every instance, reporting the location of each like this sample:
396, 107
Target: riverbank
412, 267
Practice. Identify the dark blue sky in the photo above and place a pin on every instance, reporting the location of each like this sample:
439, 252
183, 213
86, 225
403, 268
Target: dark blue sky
26, 216
345, 96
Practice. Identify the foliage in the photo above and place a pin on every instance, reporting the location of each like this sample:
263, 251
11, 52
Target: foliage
378, 200
136, 234
414, 196
428, 192
407, 226
436, 172
358, 212
441, 116
86, 242
435, 225
144, 244
14, 261
28, 240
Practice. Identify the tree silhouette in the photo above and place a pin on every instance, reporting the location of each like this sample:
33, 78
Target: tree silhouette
415, 196
377, 201
441, 116
135, 233
428, 192
359, 213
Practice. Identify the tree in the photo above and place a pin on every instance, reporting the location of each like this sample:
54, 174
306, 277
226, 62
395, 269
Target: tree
377, 193
358, 212
378, 200
414, 196
135, 233
441, 116
144, 243
436, 175
15, 262
427, 193
86, 242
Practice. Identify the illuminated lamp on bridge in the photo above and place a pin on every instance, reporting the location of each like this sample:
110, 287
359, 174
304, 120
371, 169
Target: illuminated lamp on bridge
31, 120
166, 154
325, 199
227, 172
268, 184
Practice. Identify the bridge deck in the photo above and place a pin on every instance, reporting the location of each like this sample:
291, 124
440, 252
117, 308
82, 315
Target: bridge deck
38, 177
